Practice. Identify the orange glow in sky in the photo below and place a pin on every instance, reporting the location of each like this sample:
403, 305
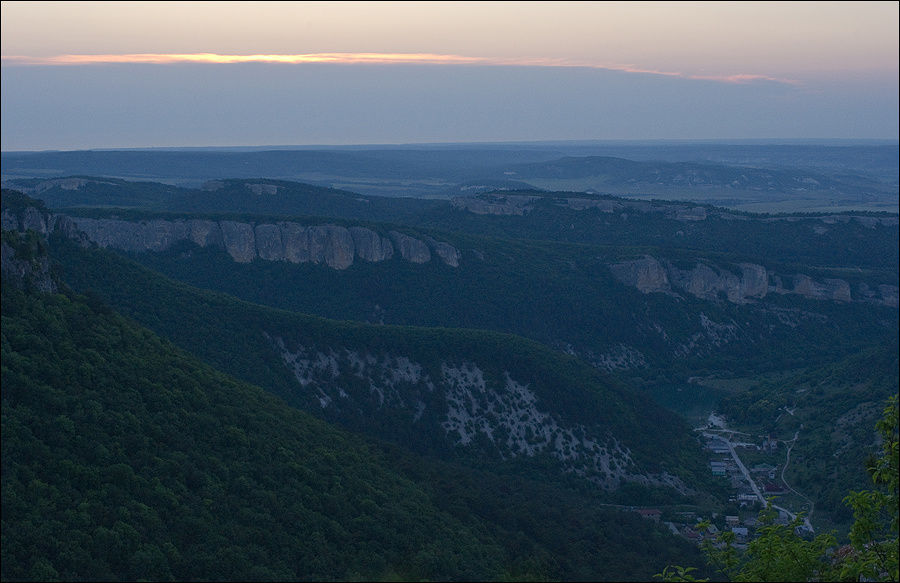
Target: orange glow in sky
165, 58
365, 58
733, 41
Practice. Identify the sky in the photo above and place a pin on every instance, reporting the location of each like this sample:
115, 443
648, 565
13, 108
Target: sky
81, 75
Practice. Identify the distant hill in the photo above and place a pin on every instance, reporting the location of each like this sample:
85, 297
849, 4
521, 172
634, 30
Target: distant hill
828, 238
619, 172
878, 160
783, 178
259, 196
385, 171
787, 189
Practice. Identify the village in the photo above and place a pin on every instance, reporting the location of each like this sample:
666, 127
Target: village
730, 454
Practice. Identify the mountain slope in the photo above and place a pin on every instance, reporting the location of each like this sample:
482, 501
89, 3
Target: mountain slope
831, 411
124, 458
265, 196
479, 394
819, 239
472, 392
620, 307
823, 239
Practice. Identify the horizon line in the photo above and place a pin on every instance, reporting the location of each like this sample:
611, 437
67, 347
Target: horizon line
635, 141
371, 59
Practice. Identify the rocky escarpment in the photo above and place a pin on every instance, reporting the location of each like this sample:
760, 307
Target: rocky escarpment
750, 283
502, 203
332, 245
464, 406
68, 183
29, 219
42, 222
499, 203
495, 204
25, 266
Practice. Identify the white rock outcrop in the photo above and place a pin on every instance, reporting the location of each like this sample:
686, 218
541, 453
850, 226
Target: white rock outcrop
332, 245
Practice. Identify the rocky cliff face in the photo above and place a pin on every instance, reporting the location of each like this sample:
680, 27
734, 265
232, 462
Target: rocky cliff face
464, 405
647, 274
410, 248
23, 265
23, 257
333, 245
447, 252
370, 246
752, 283
32, 219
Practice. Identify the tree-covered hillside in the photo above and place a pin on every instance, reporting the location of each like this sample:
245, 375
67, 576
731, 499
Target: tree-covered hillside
799, 239
832, 410
125, 458
564, 295
510, 381
238, 338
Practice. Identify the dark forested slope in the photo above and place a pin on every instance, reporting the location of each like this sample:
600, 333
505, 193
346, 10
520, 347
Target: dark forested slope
124, 458
409, 385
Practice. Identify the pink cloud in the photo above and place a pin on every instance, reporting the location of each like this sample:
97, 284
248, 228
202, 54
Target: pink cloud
372, 58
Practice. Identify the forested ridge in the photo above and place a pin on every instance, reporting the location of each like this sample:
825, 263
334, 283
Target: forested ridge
231, 335
175, 488
125, 458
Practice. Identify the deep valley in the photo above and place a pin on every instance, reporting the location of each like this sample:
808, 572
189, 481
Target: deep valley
227, 376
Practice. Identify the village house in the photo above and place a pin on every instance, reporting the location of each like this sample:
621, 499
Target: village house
651, 513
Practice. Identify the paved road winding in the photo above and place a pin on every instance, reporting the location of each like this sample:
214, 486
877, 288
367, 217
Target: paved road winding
755, 487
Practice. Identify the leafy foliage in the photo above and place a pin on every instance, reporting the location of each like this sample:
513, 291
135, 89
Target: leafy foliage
874, 534
777, 553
